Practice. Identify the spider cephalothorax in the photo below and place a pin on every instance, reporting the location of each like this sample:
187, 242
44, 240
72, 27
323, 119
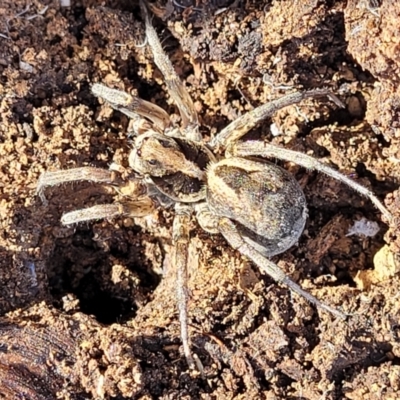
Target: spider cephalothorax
257, 206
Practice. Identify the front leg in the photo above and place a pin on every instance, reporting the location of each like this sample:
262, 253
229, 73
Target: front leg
55, 178
136, 202
137, 208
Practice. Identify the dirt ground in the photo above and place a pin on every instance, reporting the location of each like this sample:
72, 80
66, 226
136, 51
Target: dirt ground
89, 312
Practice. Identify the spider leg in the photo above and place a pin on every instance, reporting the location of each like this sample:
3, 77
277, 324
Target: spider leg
180, 235
238, 128
264, 149
231, 234
54, 178
134, 107
213, 224
175, 86
141, 205
137, 208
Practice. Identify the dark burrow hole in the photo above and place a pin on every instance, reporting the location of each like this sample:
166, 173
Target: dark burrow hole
83, 269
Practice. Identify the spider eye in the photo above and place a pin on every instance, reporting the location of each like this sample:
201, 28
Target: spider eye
152, 162
165, 143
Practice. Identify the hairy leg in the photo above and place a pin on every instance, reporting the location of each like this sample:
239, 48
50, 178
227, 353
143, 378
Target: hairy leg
91, 174
180, 235
213, 224
265, 149
176, 88
138, 208
231, 234
141, 204
134, 107
238, 128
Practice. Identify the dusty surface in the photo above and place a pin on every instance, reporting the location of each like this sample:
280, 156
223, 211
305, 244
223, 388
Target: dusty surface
89, 312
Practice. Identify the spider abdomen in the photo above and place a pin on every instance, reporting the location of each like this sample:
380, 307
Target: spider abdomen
265, 201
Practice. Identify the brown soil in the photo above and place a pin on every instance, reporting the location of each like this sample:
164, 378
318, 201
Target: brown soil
89, 312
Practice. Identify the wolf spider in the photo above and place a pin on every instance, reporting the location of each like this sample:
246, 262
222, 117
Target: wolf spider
257, 206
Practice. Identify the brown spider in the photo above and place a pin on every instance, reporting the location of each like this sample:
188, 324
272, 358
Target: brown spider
257, 206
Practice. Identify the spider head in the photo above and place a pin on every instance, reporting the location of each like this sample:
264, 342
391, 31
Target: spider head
159, 155
177, 167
